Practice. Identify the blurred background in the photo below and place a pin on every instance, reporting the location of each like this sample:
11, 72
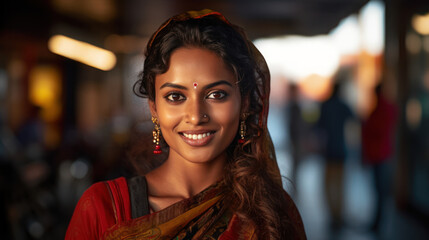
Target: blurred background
349, 112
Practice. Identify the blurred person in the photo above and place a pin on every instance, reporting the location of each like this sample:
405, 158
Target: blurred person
334, 115
208, 91
295, 126
377, 149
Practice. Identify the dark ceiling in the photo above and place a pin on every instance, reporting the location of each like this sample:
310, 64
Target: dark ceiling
259, 17
141, 17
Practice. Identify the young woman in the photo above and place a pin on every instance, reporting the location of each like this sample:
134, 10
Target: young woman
208, 90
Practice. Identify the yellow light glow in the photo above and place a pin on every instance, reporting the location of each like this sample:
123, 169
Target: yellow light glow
421, 24
366, 101
44, 90
44, 85
316, 87
82, 52
368, 72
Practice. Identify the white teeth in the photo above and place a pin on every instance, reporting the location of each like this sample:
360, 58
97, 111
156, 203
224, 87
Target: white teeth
196, 136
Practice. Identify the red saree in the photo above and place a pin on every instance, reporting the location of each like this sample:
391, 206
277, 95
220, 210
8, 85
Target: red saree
104, 212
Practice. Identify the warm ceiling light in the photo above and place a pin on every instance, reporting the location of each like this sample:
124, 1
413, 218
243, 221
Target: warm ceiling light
44, 85
421, 24
298, 57
316, 87
82, 52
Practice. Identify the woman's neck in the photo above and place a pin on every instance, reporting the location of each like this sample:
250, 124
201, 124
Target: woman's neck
179, 178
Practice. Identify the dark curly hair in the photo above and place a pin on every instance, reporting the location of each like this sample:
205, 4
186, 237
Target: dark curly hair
252, 179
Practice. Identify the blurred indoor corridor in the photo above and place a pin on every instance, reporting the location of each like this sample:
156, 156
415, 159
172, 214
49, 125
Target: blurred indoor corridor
359, 205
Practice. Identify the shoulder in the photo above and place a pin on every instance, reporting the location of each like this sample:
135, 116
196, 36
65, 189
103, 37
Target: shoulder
101, 206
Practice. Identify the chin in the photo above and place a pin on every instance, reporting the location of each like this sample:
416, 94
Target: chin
203, 157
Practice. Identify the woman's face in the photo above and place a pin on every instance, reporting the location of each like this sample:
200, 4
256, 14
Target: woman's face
197, 103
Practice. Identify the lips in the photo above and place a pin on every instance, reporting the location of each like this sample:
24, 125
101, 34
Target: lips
197, 139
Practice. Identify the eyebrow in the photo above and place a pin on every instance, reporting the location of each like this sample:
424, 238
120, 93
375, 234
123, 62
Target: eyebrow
173, 85
217, 83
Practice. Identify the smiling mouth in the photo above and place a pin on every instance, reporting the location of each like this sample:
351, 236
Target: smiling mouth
198, 139
197, 136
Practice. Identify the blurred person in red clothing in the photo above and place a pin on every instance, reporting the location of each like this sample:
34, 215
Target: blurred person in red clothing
377, 148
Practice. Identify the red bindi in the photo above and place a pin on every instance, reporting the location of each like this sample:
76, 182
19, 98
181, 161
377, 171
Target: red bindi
195, 84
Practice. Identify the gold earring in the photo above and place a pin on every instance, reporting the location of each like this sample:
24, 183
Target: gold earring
156, 133
242, 132
243, 128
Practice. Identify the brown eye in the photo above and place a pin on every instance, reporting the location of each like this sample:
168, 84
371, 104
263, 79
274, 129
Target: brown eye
218, 95
175, 97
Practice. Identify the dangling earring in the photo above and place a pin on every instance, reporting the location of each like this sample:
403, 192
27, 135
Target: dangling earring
242, 132
156, 133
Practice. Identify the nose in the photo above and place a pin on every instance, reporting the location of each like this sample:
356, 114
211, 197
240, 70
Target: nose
196, 112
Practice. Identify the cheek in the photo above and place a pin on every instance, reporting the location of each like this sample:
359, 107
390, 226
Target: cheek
228, 115
168, 116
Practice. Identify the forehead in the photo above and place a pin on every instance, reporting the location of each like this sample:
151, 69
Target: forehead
196, 64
